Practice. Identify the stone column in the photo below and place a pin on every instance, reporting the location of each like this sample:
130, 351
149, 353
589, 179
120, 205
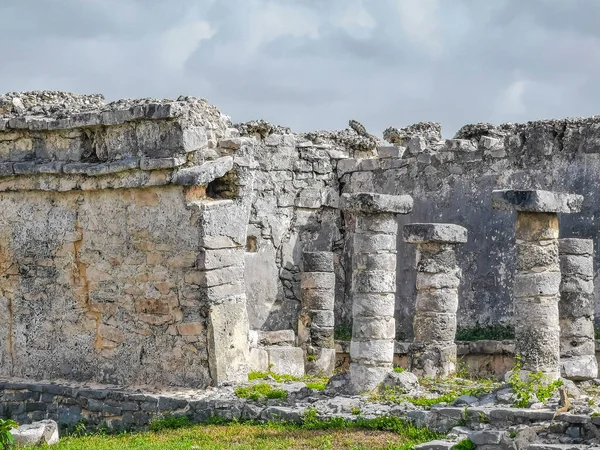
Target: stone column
576, 309
221, 280
315, 324
537, 281
433, 351
373, 285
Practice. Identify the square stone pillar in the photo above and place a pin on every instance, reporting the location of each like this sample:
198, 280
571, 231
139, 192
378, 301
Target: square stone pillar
433, 351
221, 280
373, 286
538, 277
316, 321
576, 309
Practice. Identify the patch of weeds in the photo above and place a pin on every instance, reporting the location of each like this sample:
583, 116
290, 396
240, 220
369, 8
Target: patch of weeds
169, 422
6, 438
280, 378
595, 414
465, 444
355, 410
536, 384
343, 333
464, 417
260, 391
382, 423
483, 418
316, 385
479, 333
399, 369
311, 358
591, 402
597, 333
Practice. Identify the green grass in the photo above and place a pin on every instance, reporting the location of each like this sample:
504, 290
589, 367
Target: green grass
383, 433
260, 391
479, 333
399, 369
280, 378
170, 423
316, 385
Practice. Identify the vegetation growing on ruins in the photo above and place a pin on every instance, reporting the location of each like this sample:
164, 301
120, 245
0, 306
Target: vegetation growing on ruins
6, 439
342, 332
480, 333
390, 433
536, 386
260, 391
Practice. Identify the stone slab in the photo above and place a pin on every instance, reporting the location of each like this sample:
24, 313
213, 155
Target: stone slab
286, 360
576, 246
318, 261
536, 201
447, 233
372, 203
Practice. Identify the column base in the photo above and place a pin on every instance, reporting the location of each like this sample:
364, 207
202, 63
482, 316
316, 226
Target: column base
366, 378
579, 368
433, 360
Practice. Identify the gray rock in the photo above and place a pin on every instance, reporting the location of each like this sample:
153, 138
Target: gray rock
36, 434
318, 261
536, 201
436, 445
465, 400
371, 203
417, 233
405, 381
205, 173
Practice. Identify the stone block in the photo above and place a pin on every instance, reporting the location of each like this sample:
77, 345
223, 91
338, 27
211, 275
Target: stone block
391, 151
575, 246
581, 327
375, 261
576, 304
372, 351
437, 258
376, 223
536, 227
321, 318
218, 233
162, 163
317, 261
279, 337
317, 280
323, 363
373, 305
576, 284
318, 298
370, 281
434, 327
205, 173
536, 201
209, 259
581, 265
113, 167
437, 281
228, 342
258, 360
374, 243
371, 203
373, 328
367, 378
437, 300
531, 256
534, 284
36, 434
419, 233
579, 368
286, 360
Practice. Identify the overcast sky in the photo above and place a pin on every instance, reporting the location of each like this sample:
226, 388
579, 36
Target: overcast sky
314, 64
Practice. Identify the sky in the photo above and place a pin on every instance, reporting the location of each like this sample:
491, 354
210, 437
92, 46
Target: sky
315, 64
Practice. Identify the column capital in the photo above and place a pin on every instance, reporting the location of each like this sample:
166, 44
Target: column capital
442, 233
536, 201
372, 203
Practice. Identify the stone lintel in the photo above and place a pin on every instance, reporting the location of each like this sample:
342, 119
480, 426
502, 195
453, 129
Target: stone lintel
536, 201
372, 203
204, 173
318, 261
444, 233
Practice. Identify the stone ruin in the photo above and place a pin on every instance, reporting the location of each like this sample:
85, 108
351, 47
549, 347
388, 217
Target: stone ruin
155, 243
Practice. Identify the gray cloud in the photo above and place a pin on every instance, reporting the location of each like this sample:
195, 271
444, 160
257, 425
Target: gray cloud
314, 64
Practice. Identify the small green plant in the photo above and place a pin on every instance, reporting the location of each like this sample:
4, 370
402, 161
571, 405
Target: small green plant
311, 358
464, 417
317, 385
597, 333
595, 414
6, 438
591, 402
355, 410
399, 369
536, 385
465, 444
483, 418
169, 422
260, 391
80, 428
512, 434
343, 332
